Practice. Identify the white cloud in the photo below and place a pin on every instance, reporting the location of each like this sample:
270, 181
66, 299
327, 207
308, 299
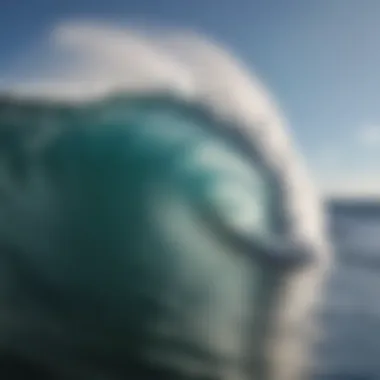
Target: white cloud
340, 173
357, 186
369, 136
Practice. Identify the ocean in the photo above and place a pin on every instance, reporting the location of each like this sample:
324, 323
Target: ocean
350, 316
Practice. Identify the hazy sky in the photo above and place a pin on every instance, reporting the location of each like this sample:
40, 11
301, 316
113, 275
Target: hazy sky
320, 58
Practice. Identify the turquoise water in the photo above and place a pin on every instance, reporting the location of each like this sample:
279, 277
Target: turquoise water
114, 216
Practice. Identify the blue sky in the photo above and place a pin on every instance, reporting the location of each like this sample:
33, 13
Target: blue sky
320, 58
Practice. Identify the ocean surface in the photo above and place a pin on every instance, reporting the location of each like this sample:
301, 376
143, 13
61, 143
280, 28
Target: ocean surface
350, 349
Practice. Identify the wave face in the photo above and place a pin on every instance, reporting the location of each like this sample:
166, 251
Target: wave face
102, 59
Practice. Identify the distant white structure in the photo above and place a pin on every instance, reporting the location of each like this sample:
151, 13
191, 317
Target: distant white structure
104, 59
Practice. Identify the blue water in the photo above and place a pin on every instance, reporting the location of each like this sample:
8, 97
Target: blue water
351, 311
